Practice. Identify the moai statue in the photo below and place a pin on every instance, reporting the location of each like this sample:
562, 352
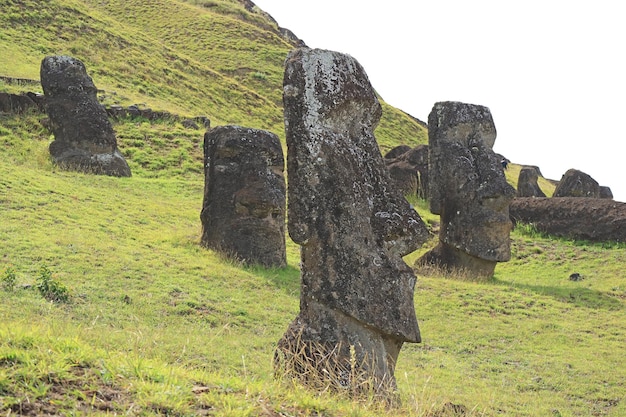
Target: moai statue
468, 188
356, 300
527, 185
409, 170
84, 139
243, 212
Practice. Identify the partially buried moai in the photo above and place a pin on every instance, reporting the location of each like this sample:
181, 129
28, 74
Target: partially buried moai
527, 183
356, 300
468, 189
84, 139
243, 211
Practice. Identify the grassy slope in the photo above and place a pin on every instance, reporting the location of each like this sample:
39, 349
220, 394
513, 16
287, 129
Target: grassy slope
219, 60
512, 175
158, 326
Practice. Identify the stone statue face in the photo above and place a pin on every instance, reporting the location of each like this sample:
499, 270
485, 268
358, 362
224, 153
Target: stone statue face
66, 75
352, 227
356, 298
474, 193
84, 139
244, 205
261, 196
475, 215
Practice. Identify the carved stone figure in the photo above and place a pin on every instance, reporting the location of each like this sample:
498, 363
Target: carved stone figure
527, 185
84, 139
468, 188
409, 170
356, 302
243, 212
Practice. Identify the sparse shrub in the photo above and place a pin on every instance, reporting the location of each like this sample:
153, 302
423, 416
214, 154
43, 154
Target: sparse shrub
9, 279
259, 76
529, 229
51, 289
321, 367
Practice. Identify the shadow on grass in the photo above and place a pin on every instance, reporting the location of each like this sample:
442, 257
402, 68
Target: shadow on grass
578, 297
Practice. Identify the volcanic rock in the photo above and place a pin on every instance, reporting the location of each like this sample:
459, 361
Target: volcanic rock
575, 183
356, 301
527, 185
468, 188
243, 211
605, 192
409, 170
397, 151
584, 218
84, 138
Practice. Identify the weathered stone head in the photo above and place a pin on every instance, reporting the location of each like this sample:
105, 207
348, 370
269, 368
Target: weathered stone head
409, 169
84, 138
527, 185
356, 305
243, 212
468, 188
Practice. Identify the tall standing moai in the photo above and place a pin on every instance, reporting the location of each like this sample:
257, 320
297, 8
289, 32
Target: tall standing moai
243, 211
84, 139
468, 189
356, 300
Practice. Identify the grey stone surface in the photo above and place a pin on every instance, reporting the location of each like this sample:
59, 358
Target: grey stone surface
468, 188
243, 211
584, 218
17, 103
605, 192
527, 185
396, 152
84, 139
356, 305
575, 183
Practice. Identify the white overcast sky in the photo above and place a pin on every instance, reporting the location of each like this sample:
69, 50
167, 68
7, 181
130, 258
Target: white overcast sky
552, 72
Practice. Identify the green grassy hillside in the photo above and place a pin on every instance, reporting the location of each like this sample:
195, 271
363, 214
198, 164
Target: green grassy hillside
512, 175
218, 59
155, 325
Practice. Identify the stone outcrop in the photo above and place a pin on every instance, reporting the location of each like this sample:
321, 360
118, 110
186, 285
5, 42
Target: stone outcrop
575, 183
409, 170
84, 138
243, 211
584, 218
356, 301
20, 103
468, 188
527, 185
118, 112
396, 152
605, 192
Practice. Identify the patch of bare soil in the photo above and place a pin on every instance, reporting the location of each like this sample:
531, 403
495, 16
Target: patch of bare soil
83, 391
